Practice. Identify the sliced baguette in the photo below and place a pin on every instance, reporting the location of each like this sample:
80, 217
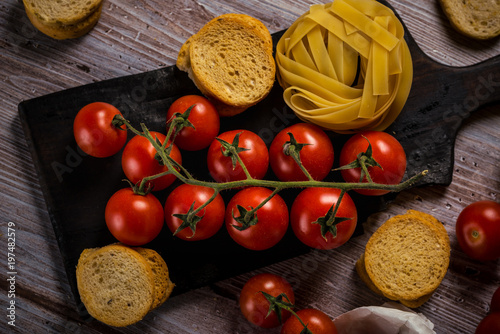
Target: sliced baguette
361, 270
406, 258
62, 12
163, 284
231, 62
63, 19
479, 19
116, 284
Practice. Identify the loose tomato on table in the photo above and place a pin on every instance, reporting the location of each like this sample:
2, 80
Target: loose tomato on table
95, 132
478, 230
312, 208
495, 301
314, 147
203, 117
489, 324
252, 150
316, 321
255, 307
134, 219
386, 151
139, 160
206, 222
266, 228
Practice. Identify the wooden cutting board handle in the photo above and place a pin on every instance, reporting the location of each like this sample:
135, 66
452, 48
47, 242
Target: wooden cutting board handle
441, 98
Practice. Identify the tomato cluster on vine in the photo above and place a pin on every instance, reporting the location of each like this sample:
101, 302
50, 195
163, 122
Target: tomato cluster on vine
323, 215
268, 301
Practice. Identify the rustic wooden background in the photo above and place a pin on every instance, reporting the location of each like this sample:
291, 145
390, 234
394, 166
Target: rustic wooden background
135, 36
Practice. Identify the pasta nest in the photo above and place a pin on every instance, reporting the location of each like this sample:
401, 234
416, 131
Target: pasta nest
345, 66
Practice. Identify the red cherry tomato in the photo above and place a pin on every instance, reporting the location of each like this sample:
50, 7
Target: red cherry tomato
138, 161
490, 324
316, 156
272, 218
478, 230
203, 116
134, 219
94, 132
495, 301
317, 322
255, 157
255, 306
387, 151
180, 200
314, 203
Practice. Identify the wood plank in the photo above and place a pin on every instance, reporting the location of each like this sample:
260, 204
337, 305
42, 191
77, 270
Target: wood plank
138, 36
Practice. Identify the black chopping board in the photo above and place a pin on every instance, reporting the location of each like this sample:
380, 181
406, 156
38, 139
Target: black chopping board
76, 187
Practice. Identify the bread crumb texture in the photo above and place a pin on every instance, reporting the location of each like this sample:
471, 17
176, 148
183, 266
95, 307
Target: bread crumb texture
478, 19
116, 285
57, 13
407, 257
231, 61
63, 19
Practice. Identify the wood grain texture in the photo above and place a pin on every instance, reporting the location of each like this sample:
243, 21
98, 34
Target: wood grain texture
135, 36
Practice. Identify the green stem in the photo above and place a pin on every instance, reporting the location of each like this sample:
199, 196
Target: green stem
201, 207
296, 157
300, 320
365, 169
251, 213
242, 164
183, 175
337, 206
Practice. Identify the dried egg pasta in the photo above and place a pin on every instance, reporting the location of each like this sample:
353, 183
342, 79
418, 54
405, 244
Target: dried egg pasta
345, 66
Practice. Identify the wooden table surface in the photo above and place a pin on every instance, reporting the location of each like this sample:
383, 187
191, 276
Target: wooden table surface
135, 36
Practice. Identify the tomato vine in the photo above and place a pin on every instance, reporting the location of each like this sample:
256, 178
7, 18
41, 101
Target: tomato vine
178, 121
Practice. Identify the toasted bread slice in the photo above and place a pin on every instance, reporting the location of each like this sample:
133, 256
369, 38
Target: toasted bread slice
62, 12
479, 19
116, 284
361, 270
407, 257
231, 61
163, 284
63, 19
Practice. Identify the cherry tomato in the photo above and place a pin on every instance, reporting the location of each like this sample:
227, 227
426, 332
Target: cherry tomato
490, 324
314, 203
255, 157
387, 151
478, 230
203, 116
272, 218
317, 322
316, 156
138, 161
495, 301
255, 306
94, 132
134, 219
179, 202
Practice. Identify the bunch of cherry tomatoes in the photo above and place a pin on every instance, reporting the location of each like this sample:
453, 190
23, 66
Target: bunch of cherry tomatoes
256, 217
300, 153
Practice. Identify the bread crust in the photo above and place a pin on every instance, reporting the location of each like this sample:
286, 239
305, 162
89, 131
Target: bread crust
58, 14
163, 285
361, 270
406, 258
478, 19
116, 284
68, 31
215, 65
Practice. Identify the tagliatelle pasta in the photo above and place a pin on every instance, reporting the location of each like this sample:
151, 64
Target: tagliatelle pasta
345, 66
